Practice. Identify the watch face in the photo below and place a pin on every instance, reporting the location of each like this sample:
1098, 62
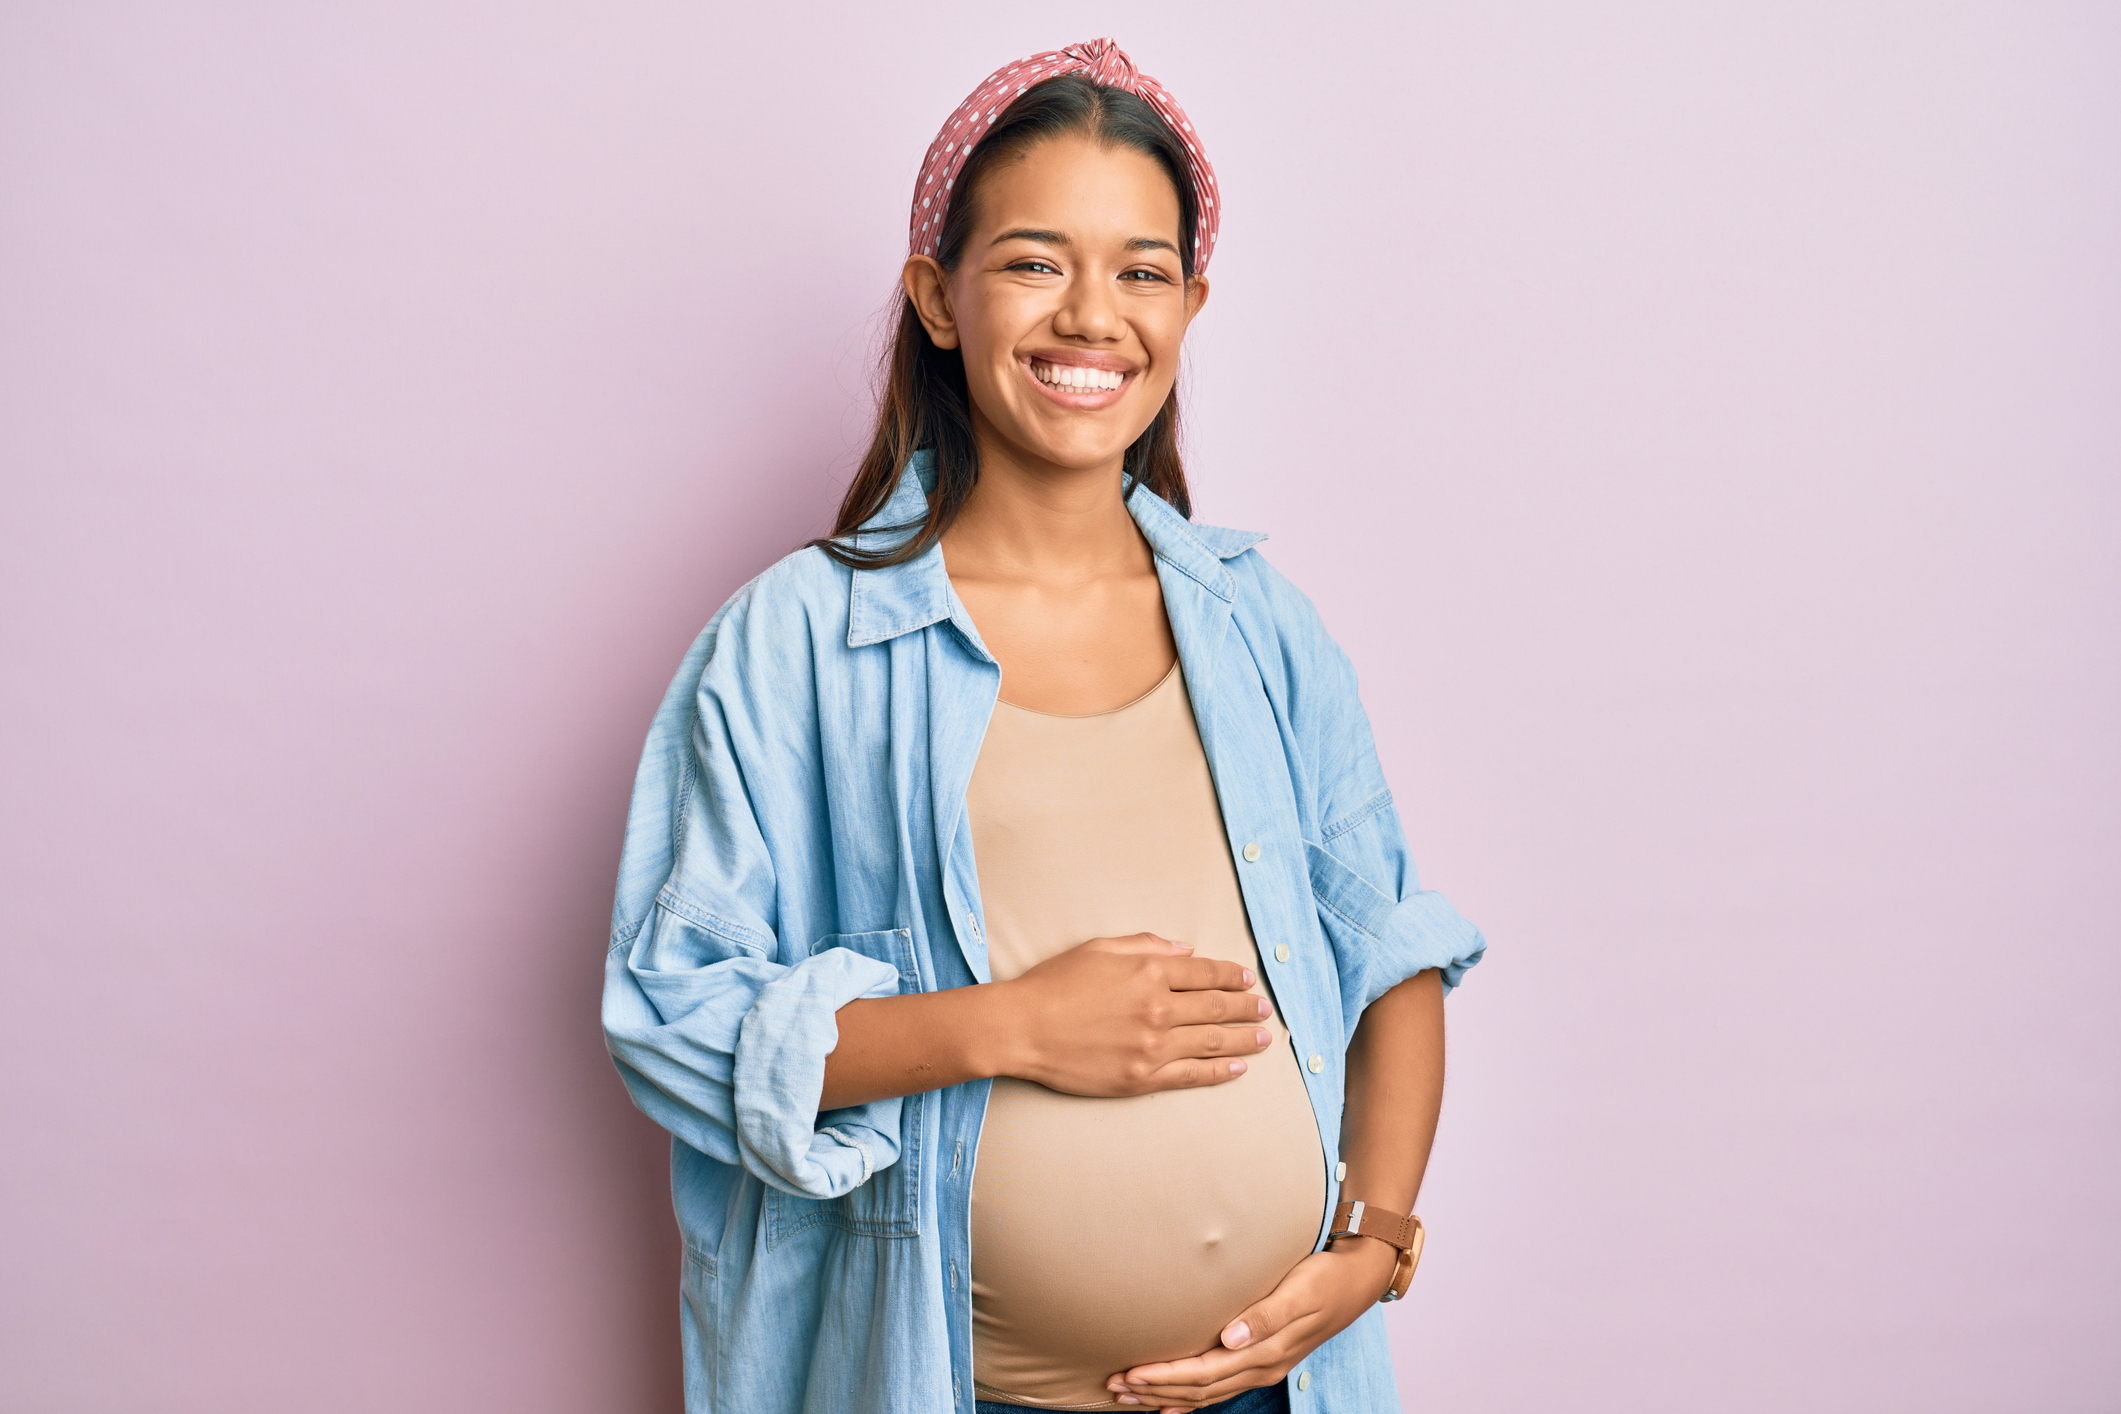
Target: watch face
1403, 1272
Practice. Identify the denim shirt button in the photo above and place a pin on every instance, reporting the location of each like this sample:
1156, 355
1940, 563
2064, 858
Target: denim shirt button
1252, 853
1281, 952
1317, 1064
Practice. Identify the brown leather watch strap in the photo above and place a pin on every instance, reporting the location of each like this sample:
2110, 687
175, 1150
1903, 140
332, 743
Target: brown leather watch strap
1354, 1218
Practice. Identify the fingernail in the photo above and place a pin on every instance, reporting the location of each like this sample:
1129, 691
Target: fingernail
1263, 1008
1128, 1399
1263, 1039
1249, 980
1237, 1335
1237, 1067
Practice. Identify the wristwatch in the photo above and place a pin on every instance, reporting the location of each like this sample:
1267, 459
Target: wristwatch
1400, 1231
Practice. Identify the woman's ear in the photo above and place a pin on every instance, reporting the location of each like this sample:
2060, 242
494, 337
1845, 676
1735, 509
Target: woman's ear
1196, 296
929, 289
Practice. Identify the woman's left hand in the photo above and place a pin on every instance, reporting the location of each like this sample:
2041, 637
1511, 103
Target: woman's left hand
1320, 1297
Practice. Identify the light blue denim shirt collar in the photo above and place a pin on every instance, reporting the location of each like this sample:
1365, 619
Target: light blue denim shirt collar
884, 603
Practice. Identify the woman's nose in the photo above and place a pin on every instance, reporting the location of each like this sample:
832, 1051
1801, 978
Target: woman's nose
1087, 312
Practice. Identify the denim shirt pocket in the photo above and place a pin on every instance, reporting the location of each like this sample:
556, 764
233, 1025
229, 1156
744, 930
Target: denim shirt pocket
888, 1205
1352, 909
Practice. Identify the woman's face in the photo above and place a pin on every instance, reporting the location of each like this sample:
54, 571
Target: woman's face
1069, 302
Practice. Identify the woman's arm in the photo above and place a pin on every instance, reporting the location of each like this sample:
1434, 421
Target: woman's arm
1395, 1092
1112, 1016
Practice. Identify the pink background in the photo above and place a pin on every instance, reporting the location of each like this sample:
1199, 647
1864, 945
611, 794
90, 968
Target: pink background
1700, 423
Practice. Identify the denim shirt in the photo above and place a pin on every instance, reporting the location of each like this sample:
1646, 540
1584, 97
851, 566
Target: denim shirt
798, 840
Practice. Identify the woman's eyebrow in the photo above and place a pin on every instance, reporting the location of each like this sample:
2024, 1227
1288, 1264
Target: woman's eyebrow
1061, 238
1026, 233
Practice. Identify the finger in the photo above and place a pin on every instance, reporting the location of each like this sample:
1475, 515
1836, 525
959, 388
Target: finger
1187, 1397
1260, 1321
1216, 1376
1206, 974
1273, 1332
1189, 1378
1193, 1074
1143, 1399
1247, 1343
1145, 943
1215, 1009
1208, 1042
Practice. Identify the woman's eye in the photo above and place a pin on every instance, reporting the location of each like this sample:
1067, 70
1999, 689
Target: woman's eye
1143, 277
1037, 266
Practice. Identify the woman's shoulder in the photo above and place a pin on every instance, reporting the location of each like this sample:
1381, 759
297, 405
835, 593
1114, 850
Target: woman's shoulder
777, 625
1302, 664
805, 586
1262, 590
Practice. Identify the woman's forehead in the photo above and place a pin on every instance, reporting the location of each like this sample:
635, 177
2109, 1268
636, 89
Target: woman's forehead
1081, 187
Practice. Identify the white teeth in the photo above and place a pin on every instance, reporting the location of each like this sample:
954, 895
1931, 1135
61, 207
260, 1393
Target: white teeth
1072, 376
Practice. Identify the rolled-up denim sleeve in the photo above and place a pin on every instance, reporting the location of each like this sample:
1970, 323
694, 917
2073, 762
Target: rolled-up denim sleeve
1384, 926
720, 1026
727, 1051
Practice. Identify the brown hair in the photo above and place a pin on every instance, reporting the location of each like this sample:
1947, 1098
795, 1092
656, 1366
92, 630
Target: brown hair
924, 401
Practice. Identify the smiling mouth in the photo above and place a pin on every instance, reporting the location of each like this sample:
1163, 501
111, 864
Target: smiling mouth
1074, 378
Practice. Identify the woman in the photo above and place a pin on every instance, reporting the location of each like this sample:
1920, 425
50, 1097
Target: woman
1014, 929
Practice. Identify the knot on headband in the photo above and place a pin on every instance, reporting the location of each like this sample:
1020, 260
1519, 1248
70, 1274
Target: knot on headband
1103, 63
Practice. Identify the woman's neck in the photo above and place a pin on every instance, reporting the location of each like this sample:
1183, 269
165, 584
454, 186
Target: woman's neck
1044, 522
1061, 586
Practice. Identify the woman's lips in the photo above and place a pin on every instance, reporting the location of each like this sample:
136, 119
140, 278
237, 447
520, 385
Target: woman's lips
1076, 385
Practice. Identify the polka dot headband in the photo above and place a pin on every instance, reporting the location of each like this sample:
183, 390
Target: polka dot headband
1102, 62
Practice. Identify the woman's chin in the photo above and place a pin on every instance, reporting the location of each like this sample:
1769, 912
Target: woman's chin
1076, 457
1075, 441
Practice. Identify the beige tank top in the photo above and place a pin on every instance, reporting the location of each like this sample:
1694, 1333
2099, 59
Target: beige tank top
1111, 1232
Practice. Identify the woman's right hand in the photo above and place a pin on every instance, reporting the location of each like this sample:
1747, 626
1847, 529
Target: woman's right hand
1126, 1016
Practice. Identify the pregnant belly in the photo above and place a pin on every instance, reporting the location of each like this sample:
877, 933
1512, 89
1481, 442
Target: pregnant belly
1111, 1232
